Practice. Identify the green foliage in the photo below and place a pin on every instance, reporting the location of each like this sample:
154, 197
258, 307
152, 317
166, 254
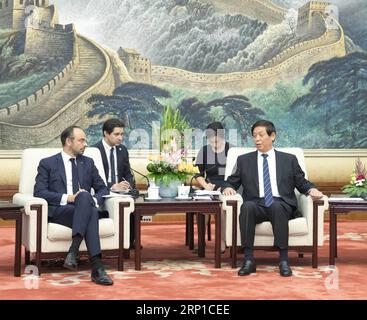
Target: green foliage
172, 126
14, 91
333, 113
354, 191
162, 171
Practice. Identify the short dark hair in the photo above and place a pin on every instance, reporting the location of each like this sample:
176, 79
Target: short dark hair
215, 129
68, 133
111, 124
270, 128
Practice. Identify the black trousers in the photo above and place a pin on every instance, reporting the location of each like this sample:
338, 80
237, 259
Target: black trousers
82, 217
255, 212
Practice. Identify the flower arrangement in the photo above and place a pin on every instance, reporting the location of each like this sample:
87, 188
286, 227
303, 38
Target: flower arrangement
357, 186
170, 165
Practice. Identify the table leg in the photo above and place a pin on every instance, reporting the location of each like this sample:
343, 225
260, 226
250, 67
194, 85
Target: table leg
336, 236
234, 235
187, 234
190, 229
218, 236
209, 228
201, 235
137, 242
120, 263
18, 245
332, 236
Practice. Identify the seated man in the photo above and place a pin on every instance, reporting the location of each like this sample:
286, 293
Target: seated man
115, 157
65, 181
268, 178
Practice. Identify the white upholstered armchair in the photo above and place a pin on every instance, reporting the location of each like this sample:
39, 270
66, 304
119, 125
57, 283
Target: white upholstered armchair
305, 233
49, 240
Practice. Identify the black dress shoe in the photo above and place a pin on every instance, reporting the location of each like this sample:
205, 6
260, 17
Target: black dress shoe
284, 269
247, 268
100, 276
71, 261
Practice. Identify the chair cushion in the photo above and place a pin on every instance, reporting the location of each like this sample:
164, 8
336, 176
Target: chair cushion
297, 227
58, 232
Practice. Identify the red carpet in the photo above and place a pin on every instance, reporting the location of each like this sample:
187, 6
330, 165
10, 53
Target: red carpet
171, 271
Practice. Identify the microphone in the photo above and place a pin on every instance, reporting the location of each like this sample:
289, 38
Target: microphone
143, 175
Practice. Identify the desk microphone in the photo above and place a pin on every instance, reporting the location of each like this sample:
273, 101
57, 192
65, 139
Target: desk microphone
143, 175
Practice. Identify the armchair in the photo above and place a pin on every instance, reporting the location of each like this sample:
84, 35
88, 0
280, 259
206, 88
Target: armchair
305, 233
49, 240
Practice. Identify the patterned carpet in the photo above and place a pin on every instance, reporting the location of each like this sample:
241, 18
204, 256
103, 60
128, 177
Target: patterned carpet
171, 271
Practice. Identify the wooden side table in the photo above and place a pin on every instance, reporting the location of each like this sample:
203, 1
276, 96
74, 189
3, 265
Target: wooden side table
9, 211
167, 206
339, 206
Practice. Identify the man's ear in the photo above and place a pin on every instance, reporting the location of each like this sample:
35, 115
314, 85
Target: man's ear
273, 136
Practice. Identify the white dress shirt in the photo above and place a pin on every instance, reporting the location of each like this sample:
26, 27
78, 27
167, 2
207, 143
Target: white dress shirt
69, 179
272, 173
107, 149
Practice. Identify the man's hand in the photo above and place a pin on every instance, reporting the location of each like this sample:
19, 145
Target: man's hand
209, 186
123, 185
229, 192
315, 194
72, 197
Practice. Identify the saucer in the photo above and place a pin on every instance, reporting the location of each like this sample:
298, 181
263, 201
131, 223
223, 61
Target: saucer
183, 198
147, 198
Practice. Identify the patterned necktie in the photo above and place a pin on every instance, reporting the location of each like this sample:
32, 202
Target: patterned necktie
112, 162
268, 194
74, 174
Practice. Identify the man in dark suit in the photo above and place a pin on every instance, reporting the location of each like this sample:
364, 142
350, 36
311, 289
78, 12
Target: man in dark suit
268, 178
65, 181
115, 158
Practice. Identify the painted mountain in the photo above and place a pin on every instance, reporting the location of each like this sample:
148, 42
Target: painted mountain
302, 65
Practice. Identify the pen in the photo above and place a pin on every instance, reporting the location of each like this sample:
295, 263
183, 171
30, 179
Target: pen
123, 179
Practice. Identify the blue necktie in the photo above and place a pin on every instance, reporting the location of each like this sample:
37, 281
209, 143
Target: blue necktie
112, 162
74, 173
268, 194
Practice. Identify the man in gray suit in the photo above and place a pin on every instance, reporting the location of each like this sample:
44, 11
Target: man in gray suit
268, 178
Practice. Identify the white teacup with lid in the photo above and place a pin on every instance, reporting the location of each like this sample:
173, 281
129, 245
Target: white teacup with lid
153, 191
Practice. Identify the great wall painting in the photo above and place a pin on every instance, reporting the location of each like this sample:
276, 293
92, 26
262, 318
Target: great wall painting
302, 64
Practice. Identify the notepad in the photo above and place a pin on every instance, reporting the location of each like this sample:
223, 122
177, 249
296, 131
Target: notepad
115, 195
202, 198
207, 193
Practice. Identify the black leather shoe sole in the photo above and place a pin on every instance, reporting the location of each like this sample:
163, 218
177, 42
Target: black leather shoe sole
71, 267
103, 282
285, 271
286, 274
247, 271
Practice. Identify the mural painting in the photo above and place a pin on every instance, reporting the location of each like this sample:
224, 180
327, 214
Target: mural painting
301, 64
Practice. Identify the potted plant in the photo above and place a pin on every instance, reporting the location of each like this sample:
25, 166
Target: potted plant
171, 169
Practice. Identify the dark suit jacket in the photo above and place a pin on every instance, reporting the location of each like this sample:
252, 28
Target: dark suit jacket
51, 180
123, 164
289, 176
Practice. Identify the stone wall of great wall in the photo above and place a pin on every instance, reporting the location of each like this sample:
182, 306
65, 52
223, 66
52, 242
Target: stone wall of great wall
50, 43
264, 10
47, 133
294, 60
56, 82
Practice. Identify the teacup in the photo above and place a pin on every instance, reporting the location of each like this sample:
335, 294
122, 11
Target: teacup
183, 191
153, 192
